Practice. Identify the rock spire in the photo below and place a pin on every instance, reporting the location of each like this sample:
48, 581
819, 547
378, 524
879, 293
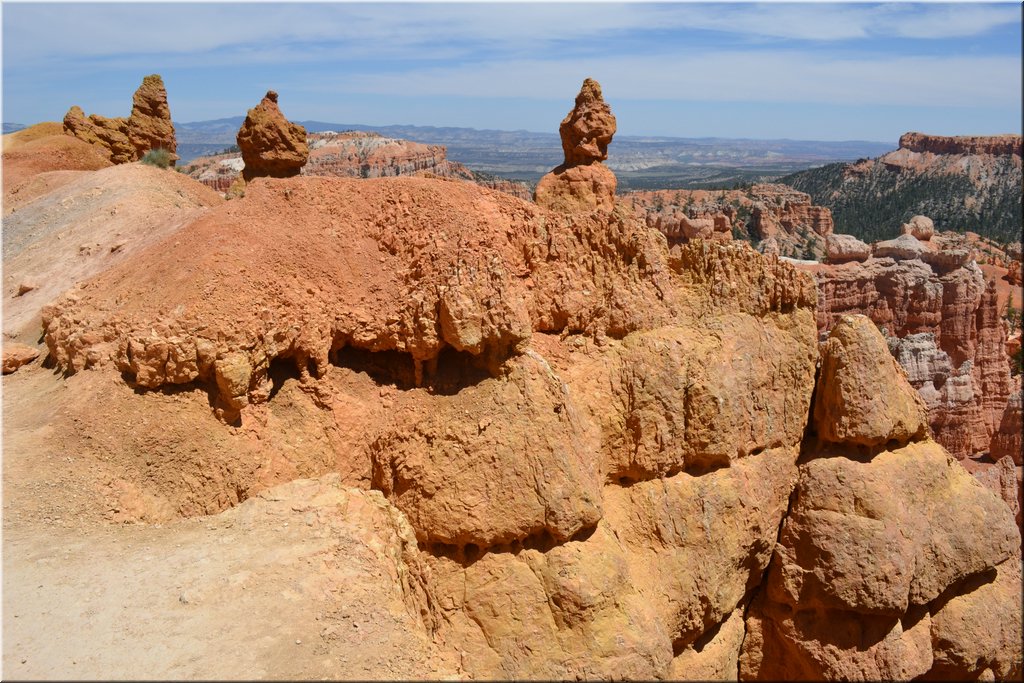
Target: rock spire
582, 182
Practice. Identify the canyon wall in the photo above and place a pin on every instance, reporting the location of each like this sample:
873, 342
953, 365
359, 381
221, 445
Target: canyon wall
1001, 145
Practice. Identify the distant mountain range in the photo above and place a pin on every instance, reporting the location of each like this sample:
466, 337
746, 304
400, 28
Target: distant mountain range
640, 162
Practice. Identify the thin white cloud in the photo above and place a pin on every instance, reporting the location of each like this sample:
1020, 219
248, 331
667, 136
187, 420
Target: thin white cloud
35, 32
785, 76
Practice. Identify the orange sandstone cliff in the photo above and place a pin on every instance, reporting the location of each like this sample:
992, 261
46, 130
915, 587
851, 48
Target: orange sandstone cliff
575, 450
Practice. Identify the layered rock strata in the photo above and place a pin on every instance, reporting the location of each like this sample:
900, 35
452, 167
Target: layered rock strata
998, 145
892, 559
149, 126
582, 182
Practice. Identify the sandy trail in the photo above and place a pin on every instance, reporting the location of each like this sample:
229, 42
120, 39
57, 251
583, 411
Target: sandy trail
296, 583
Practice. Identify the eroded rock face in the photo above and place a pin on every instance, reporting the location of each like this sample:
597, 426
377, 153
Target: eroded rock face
128, 139
271, 145
583, 428
582, 183
877, 546
776, 217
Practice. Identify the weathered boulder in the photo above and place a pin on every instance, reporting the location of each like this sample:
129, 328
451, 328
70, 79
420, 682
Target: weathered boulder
271, 144
920, 227
16, 355
965, 344
128, 139
843, 248
863, 396
902, 248
582, 182
877, 545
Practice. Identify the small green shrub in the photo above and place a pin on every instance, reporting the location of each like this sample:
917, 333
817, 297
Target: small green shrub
160, 158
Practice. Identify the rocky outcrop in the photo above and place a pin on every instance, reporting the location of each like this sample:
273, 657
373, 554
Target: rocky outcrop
582, 427
887, 559
128, 139
999, 145
776, 218
941, 316
271, 145
582, 182
788, 216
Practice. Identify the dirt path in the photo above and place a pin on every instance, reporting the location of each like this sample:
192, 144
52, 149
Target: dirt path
304, 581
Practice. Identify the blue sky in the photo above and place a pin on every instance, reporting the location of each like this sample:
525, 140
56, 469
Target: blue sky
803, 71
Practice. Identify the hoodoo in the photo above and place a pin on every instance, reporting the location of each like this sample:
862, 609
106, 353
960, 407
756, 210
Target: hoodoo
271, 144
582, 183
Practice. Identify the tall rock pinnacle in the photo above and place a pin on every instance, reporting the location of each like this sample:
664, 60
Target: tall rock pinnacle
582, 183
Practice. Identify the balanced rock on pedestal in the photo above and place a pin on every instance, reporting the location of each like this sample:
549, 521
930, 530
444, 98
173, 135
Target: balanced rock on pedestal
582, 183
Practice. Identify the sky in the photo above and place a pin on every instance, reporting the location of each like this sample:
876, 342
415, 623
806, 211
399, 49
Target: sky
808, 71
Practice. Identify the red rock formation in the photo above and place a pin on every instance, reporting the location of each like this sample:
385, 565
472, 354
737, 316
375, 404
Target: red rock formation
781, 209
582, 183
1003, 145
128, 139
943, 320
766, 213
271, 145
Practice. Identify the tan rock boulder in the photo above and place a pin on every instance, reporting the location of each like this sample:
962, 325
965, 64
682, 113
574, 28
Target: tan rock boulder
923, 521
904, 247
17, 355
976, 635
920, 227
271, 144
843, 248
863, 396
582, 182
